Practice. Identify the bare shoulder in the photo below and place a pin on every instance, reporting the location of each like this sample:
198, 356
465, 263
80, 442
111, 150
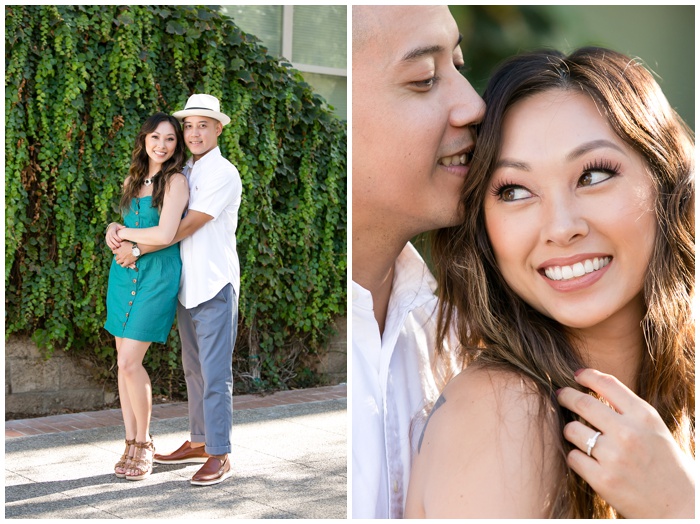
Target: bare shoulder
486, 450
178, 179
178, 183
491, 397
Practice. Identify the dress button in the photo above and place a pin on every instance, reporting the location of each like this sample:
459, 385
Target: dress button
137, 223
130, 302
137, 212
133, 293
134, 281
127, 314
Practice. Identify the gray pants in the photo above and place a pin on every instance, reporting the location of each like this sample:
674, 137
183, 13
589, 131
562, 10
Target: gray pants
208, 334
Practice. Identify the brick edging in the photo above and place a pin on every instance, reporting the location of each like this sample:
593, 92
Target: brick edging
112, 417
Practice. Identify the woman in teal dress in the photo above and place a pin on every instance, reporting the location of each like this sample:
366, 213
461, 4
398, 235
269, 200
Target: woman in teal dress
141, 300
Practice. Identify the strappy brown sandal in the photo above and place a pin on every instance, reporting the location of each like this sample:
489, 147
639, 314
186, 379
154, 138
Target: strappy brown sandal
142, 461
122, 466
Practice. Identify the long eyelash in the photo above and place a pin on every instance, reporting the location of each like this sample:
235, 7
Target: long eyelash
497, 189
605, 166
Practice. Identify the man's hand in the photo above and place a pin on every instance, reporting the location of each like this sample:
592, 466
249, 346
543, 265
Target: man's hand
111, 237
123, 255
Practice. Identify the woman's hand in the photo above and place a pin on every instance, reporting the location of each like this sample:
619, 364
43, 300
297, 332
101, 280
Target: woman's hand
111, 237
124, 257
634, 464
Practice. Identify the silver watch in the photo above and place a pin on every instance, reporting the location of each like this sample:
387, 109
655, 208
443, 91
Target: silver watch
135, 250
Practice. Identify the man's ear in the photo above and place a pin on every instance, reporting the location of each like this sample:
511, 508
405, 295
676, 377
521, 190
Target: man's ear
219, 128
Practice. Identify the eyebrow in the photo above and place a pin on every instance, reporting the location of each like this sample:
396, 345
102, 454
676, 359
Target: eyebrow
420, 52
592, 145
573, 155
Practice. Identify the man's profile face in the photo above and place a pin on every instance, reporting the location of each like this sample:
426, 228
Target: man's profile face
411, 108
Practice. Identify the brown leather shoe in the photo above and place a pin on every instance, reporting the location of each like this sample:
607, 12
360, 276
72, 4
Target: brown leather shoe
213, 472
185, 454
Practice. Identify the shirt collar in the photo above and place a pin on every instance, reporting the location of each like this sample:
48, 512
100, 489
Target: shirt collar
214, 153
413, 284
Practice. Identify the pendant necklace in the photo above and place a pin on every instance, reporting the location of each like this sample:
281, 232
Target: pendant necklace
148, 181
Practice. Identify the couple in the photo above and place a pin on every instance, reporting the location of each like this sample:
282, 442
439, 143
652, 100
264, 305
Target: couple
565, 204
162, 256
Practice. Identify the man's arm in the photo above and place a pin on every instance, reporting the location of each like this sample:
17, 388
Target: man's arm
188, 226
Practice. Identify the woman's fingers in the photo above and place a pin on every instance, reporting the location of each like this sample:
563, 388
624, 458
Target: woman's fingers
586, 467
610, 388
111, 237
584, 438
588, 407
634, 463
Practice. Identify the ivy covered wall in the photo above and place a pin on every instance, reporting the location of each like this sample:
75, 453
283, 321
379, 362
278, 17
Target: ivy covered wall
79, 82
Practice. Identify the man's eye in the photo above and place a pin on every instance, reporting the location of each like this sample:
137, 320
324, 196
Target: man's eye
426, 84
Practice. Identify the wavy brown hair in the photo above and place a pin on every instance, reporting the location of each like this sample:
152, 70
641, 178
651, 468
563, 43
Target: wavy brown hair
138, 170
496, 328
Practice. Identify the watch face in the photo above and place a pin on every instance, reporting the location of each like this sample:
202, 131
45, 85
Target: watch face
135, 251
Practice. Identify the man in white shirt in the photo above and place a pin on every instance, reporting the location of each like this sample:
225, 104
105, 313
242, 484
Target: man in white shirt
412, 141
209, 289
207, 313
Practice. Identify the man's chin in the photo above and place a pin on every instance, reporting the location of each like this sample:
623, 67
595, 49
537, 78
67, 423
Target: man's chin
457, 217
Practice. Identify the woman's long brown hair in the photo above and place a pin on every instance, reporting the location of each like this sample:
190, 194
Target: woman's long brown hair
496, 328
138, 170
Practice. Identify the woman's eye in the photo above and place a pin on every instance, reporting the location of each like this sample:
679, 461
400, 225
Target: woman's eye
513, 193
591, 178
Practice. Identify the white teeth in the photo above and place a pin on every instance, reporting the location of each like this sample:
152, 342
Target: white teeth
567, 272
455, 160
577, 270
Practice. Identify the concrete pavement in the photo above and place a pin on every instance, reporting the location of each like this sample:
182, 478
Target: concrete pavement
289, 461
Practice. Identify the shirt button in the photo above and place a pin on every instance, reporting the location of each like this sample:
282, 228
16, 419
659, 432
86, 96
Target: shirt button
396, 486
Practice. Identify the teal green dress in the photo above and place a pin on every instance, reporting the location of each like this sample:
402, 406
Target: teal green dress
141, 302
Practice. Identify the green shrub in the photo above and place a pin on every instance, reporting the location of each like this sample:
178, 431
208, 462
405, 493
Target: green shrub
79, 82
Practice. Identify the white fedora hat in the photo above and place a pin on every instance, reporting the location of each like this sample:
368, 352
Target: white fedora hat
202, 105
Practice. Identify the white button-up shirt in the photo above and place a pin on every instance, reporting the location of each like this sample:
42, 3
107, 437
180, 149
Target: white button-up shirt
209, 257
392, 383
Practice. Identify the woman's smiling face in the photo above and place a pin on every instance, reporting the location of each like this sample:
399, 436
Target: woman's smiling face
160, 144
570, 211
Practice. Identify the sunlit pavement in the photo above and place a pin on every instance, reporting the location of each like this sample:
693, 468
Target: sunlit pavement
289, 460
